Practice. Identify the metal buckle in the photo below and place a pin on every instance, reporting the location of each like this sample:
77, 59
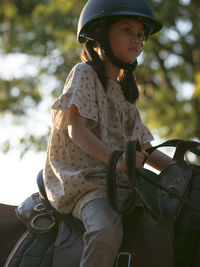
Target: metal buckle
45, 227
40, 207
127, 254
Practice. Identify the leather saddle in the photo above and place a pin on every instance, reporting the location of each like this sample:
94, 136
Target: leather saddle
148, 229
42, 219
162, 196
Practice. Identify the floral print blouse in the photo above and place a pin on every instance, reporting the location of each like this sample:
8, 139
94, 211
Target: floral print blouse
72, 177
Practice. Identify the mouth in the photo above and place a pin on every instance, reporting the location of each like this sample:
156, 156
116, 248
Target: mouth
133, 49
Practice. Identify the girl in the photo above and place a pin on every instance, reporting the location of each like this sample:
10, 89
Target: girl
95, 115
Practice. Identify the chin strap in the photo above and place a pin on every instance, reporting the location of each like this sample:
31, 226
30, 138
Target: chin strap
128, 83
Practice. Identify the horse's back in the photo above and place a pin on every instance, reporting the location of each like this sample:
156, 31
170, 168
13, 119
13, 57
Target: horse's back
11, 228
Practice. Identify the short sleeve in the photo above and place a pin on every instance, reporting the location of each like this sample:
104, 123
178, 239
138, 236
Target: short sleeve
143, 134
79, 90
146, 135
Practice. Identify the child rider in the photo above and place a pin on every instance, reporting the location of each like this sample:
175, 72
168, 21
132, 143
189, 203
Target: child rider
95, 115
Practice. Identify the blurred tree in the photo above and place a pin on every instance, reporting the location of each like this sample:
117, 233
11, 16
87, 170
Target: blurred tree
44, 33
170, 88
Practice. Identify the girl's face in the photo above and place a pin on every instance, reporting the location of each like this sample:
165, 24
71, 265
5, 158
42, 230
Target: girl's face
126, 38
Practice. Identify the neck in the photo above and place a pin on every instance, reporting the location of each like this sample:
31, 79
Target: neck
111, 69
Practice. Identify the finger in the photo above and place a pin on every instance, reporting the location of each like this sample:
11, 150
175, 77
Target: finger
138, 166
145, 153
140, 155
139, 163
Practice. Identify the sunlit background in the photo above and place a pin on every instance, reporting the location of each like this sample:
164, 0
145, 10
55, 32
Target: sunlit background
18, 175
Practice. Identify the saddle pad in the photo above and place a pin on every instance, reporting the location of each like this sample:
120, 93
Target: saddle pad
33, 250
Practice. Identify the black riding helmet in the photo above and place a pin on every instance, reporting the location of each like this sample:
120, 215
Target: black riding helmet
95, 10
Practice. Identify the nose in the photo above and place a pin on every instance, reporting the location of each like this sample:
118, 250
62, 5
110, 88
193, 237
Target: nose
137, 37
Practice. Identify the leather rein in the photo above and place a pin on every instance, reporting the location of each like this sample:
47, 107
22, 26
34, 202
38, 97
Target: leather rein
133, 174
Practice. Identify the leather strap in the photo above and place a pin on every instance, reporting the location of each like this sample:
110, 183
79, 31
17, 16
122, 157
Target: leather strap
169, 143
181, 147
130, 154
111, 180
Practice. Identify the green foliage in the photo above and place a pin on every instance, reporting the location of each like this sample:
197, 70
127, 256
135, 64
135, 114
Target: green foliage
45, 31
171, 105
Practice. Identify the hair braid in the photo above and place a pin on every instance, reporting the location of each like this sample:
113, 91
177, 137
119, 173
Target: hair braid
91, 57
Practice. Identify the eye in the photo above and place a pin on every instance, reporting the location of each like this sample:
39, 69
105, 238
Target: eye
126, 29
141, 36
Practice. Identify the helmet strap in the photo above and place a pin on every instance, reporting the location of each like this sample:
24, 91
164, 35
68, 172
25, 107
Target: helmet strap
128, 82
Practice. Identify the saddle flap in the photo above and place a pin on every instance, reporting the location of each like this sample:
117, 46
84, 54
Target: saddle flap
69, 230
175, 178
148, 192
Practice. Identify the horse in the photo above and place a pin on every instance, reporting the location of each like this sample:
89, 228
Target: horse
165, 231
11, 229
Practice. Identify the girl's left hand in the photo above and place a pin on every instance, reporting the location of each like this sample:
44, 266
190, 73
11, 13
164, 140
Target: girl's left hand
140, 156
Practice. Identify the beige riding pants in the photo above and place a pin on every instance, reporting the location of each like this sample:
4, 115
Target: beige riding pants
103, 234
